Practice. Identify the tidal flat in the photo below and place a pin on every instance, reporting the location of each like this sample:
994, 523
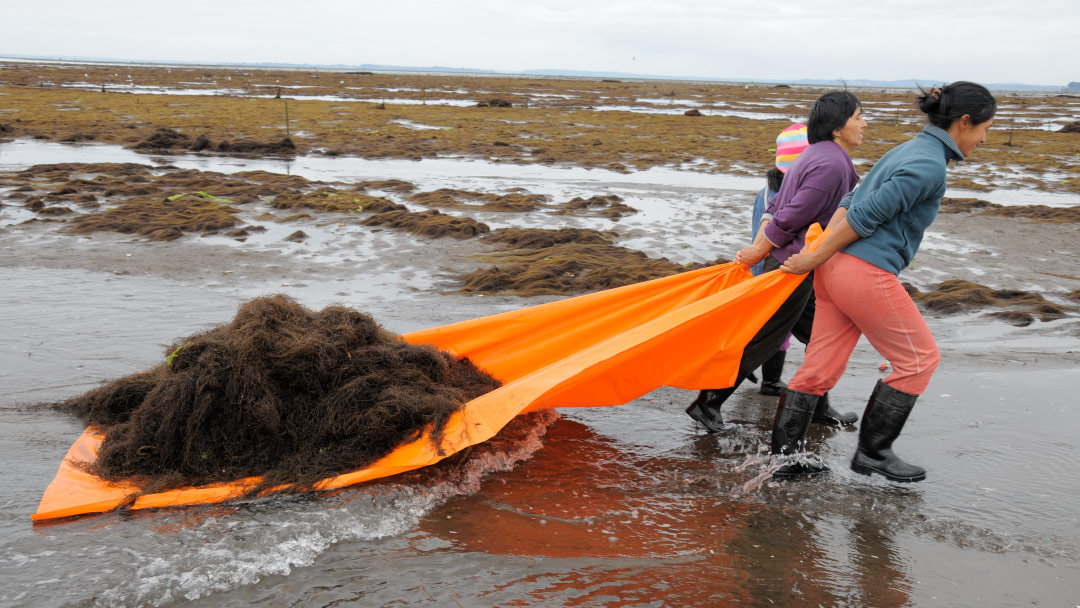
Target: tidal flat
577, 185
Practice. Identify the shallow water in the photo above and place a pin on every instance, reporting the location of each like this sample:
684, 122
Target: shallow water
621, 506
708, 111
199, 92
613, 506
20, 154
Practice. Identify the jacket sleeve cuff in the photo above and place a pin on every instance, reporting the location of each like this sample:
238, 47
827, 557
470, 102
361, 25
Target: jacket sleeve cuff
858, 224
776, 236
845, 202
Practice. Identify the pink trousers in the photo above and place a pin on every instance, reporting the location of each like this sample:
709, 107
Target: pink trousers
856, 298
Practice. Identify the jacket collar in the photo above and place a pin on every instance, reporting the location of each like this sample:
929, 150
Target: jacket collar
951, 150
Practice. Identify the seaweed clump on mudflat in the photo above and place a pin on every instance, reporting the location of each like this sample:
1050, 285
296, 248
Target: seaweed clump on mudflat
281, 392
610, 206
161, 220
431, 223
171, 139
1039, 213
538, 238
546, 262
956, 296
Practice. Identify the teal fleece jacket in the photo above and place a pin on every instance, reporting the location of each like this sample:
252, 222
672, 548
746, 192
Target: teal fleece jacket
899, 198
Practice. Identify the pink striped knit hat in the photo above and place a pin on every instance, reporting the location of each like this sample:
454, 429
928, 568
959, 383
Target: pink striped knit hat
791, 142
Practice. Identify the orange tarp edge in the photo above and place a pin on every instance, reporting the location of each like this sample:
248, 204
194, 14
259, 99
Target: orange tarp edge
606, 348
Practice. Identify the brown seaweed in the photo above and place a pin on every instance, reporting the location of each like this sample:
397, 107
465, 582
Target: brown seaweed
431, 223
565, 268
281, 392
160, 220
957, 296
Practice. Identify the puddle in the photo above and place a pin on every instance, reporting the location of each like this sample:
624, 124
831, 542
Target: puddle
408, 124
154, 90
707, 111
669, 101
461, 103
20, 154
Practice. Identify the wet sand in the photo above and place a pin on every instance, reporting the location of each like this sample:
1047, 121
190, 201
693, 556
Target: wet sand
627, 506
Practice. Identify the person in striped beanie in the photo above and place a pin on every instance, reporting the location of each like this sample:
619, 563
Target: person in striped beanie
789, 144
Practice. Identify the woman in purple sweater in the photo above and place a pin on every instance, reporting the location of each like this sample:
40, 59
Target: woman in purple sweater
811, 190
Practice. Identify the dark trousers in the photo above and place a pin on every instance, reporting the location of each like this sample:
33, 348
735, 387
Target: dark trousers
795, 316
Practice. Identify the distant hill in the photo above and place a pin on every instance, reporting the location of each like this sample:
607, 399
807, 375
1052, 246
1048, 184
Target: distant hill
912, 83
858, 83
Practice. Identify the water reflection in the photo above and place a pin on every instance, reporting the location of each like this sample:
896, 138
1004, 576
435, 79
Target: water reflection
878, 566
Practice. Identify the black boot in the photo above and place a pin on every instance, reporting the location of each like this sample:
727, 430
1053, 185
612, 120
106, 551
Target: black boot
706, 410
885, 415
770, 374
824, 414
789, 432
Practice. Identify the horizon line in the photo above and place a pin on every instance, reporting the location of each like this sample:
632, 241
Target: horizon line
541, 72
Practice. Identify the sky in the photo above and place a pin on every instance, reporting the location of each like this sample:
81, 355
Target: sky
1022, 41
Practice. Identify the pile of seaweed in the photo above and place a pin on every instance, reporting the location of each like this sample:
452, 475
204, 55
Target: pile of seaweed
956, 296
549, 261
281, 392
331, 200
553, 261
170, 139
539, 238
610, 206
432, 223
161, 219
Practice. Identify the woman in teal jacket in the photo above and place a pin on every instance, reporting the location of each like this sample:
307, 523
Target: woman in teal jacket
873, 236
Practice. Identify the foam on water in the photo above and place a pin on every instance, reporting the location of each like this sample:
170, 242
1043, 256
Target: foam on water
280, 535
182, 555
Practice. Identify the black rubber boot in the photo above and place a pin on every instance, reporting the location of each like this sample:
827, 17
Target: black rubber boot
789, 432
824, 414
706, 410
885, 415
770, 374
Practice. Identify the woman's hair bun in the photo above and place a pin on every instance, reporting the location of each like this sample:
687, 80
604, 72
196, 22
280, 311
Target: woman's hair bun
930, 100
946, 104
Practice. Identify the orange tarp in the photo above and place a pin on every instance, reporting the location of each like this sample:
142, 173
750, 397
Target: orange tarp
606, 348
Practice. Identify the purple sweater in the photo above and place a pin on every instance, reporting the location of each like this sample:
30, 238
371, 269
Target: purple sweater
812, 188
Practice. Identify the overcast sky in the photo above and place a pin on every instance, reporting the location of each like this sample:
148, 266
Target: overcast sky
1029, 41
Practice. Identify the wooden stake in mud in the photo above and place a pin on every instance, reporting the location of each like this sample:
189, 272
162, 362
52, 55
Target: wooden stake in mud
287, 136
1012, 123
